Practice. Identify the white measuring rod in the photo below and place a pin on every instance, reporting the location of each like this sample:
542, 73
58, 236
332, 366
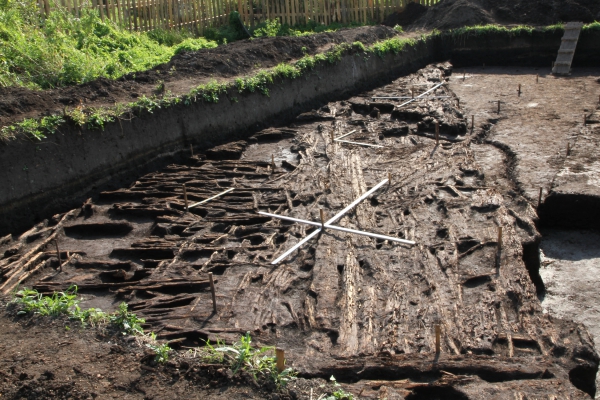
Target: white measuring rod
339, 228
210, 198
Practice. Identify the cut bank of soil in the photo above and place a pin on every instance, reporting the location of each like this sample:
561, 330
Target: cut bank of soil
182, 73
449, 14
355, 307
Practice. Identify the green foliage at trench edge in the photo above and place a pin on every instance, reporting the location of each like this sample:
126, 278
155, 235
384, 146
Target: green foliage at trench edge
262, 81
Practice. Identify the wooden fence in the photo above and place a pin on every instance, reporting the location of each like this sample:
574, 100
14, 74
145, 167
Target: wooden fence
146, 15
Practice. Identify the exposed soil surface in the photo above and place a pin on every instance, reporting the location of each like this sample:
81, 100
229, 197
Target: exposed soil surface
570, 264
359, 308
450, 14
182, 73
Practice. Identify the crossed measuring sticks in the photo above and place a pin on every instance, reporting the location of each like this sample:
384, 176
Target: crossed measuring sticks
329, 225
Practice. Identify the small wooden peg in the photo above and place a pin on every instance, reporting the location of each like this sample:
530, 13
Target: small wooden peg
457, 102
185, 197
537, 78
273, 161
464, 75
472, 123
584, 120
519, 90
412, 92
280, 355
389, 178
540, 199
58, 255
437, 133
332, 137
192, 150
499, 238
498, 106
212, 291
438, 333
568, 148
322, 218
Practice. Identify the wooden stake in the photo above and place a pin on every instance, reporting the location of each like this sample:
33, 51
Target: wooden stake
584, 120
438, 332
331, 135
192, 150
457, 102
185, 197
280, 355
499, 238
390, 178
273, 161
437, 133
537, 78
464, 75
540, 199
472, 123
322, 219
498, 106
568, 148
212, 291
58, 255
519, 91
412, 93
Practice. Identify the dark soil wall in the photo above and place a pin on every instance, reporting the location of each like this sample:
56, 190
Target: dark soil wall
42, 178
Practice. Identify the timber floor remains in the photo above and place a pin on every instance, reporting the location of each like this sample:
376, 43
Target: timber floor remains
359, 308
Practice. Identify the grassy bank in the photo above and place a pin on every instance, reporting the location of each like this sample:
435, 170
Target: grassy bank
65, 50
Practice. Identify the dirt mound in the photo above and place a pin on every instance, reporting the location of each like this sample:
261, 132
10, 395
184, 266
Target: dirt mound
405, 18
450, 14
182, 73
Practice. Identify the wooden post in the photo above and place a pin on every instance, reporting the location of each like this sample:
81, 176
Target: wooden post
438, 332
498, 106
389, 178
58, 255
472, 123
464, 75
499, 238
212, 291
437, 133
540, 199
584, 120
322, 218
185, 197
519, 90
537, 78
412, 93
458, 102
568, 148
273, 161
192, 150
280, 355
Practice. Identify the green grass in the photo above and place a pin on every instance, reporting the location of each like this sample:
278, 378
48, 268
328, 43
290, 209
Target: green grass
593, 27
260, 363
66, 303
64, 50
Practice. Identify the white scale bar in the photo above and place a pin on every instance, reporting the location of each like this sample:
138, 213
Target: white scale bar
343, 136
210, 198
421, 95
360, 144
409, 97
339, 228
331, 221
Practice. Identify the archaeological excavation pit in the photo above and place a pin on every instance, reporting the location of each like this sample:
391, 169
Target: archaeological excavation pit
484, 166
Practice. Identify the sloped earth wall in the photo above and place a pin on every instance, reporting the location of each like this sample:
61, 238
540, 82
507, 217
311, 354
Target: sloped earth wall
41, 178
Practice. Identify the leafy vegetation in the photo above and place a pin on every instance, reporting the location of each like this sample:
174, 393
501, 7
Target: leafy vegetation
66, 303
65, 50
339, 393
260, 363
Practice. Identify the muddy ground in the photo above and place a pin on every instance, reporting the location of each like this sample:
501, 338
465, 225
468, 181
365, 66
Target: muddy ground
359, 308
184, 72
449, 14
